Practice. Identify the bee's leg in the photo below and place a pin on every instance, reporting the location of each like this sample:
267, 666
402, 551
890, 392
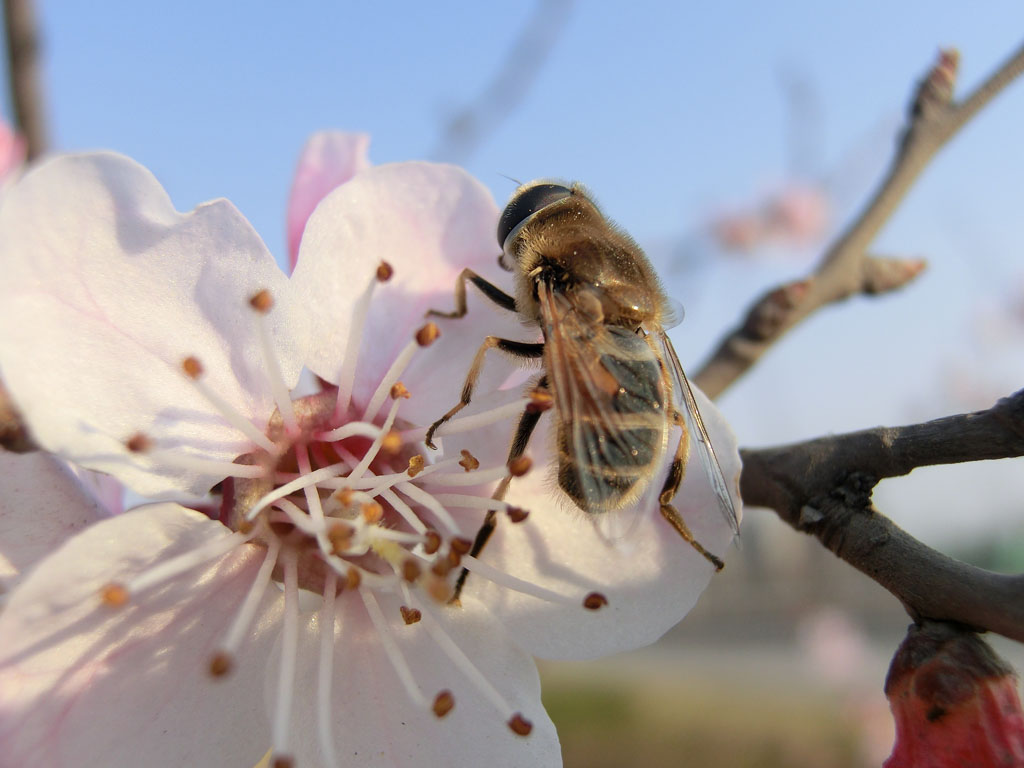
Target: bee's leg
490, 290
526, 349
671, 487
527, 423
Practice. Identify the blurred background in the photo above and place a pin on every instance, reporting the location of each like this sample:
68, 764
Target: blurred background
733, 141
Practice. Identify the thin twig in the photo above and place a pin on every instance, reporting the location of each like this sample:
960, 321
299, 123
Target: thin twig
823, 487
467, 128
23, 71
934, 119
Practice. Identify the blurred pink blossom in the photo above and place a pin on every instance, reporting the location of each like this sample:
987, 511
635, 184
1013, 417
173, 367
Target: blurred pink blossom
795, 216
839, 653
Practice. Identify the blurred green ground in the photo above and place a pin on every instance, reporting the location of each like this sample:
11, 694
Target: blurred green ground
610, 719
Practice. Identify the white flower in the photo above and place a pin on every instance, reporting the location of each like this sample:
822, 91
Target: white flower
165, 349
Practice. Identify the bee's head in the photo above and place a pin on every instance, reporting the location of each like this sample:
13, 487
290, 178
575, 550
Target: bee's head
526, 201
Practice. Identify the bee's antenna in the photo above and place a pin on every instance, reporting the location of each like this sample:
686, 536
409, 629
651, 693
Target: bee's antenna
518, 183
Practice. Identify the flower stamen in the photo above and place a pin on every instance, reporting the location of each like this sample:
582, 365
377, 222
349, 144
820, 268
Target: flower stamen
517, 514
467, 501
520, 725
402, 537
424, 498
468, 462
193, 371
294, 514
428, 334
416, 465
352, 429
201, 466
520, 466
374, 449
389, 380
469, 423
469, 670
377, 483
355, 576
289, 654
347, 375
404, 510
115, 595
263, 302
325, 715
410, 615
186, 561
476, 477
316, 510
508, 581
444, 703
391, 649
223, 659
302, 481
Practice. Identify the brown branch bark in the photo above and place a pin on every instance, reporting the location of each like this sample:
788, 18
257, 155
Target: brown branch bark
823, 487
933, 120
23, 72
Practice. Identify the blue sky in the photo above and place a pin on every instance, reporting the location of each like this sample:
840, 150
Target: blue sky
667, 111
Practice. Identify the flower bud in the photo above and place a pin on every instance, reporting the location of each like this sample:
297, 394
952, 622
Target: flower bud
954, 701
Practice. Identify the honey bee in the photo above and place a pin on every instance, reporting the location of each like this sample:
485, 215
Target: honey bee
609, 368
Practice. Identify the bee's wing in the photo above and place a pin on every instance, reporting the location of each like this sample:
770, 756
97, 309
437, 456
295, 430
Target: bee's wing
709, 461
607, 384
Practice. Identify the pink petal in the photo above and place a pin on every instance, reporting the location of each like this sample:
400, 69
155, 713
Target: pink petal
650, 576
86, 684
106, 290
13, 149
42, 504
375, 718
329, 159
429, 222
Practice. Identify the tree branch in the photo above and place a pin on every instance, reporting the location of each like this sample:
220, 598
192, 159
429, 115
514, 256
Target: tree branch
823, 487
468, 127
933, 120
23, 71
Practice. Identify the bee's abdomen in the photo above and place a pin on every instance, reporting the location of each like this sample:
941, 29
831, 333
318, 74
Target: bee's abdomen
611, 450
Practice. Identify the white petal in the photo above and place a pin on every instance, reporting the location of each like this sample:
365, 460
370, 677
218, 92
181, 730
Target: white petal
104, 488
429, 222
42, 505
375, 722
86, 684
106, 290
649, 574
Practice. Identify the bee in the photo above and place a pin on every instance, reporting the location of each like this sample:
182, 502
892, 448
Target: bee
610, 371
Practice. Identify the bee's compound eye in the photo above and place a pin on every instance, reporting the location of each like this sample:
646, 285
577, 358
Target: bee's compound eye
528, 201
